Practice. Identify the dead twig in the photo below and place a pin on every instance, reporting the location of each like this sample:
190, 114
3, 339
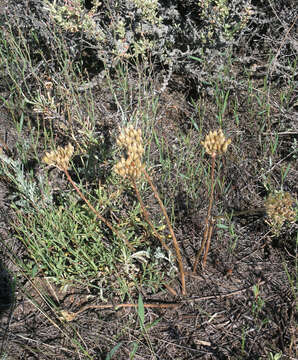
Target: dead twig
70, 316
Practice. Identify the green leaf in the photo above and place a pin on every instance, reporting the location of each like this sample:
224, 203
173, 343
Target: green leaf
195, 58
141, 311
222, 226
113, 351
150, 325
134, 350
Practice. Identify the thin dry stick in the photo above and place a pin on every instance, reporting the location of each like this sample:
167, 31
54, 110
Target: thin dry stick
106, 222
69, 316
147, 216
175, 242
170, 290
207, 220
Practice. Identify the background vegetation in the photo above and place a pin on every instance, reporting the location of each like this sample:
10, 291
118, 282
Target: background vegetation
106, 283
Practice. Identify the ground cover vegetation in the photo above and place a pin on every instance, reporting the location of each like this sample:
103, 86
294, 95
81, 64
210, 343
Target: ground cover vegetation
148, 179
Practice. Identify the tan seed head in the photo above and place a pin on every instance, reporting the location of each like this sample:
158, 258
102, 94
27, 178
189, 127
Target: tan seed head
131, 166
60, 157
215, 143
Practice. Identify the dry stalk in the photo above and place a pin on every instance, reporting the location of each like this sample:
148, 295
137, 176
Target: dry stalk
208, 231
132, 167
175, 242
215, 144
147, 216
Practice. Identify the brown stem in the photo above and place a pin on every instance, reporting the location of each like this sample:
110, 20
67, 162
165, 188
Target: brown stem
97, 214
170, 290
147, 216
175, 242
210, 229
207, 220
201, 248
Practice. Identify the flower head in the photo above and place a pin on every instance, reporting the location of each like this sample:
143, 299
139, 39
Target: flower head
279, 209
131, 140
215, 143
60, 157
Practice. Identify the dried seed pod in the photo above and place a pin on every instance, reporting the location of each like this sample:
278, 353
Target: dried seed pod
60, 157
215, 143
131, 140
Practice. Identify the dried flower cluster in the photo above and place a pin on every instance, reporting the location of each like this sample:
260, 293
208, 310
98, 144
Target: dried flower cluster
131, 165
215, 143
60, 157
279, 208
